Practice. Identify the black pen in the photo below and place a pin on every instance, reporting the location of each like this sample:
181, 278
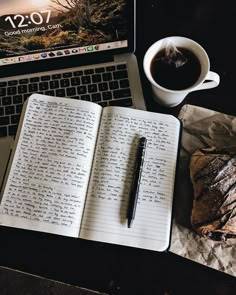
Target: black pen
133, 198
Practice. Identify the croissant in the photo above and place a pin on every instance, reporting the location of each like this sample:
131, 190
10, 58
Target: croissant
213, 175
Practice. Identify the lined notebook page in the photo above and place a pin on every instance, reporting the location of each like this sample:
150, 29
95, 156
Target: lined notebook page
106, 205
49, 176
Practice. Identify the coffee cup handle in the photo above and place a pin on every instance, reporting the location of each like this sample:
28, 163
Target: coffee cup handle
212, 80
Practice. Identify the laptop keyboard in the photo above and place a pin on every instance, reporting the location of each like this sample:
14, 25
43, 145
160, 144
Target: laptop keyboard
108, 85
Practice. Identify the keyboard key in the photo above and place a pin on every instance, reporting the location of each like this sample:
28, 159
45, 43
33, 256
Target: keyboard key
4, 120
19, 108
124, 83
127, 102
3, 131
22, 89
12, 129
43, 86
56, 76
81, 89
122, 93
64, 83
34, 79
75, 81
107, 95
70, 91
67, 75
78, 73
85, 97
3, 84
23, 81
15, 119
120, 74
86, 80
50, 92
60, 92
96, 78
111, 68
6, 100
54, 84
17, 99
100, 70
121, 67
113, 85
1, 111
3, 91
92, 88
45, 78
9, 110
96, 97
33, 87
103, 86
106, 76
89, 71
12, 83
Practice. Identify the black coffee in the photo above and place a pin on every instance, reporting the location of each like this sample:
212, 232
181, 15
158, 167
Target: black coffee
176, 72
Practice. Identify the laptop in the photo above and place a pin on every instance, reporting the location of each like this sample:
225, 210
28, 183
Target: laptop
78, 49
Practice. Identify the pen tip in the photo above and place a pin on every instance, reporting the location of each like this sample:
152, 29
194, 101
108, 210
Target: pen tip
130, 223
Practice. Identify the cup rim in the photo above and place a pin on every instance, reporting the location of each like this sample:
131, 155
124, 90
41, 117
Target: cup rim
154, 83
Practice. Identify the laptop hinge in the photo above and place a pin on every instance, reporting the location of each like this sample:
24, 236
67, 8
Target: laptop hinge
53, 64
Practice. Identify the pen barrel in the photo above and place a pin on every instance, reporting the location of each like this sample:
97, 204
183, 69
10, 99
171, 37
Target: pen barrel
137, 178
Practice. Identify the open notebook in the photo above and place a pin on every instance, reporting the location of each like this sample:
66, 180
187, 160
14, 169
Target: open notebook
72, 166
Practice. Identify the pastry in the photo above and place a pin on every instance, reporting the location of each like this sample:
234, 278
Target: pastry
213, 175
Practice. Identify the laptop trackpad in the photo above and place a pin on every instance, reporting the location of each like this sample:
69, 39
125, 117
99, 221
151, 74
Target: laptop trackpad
5, 149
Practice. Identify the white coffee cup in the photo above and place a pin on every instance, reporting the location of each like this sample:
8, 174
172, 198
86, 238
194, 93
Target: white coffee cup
171, 98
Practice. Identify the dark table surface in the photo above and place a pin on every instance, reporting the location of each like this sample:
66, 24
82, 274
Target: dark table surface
123, 270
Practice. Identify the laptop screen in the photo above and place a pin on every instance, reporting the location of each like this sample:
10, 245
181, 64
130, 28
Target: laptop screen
35, 30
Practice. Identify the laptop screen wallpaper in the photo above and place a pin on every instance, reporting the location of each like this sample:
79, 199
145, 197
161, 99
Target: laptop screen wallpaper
40, 29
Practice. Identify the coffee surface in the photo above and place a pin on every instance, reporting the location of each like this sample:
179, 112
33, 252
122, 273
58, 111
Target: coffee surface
171, 73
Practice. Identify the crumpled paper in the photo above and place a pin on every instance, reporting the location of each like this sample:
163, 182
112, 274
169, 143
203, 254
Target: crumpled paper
201, 128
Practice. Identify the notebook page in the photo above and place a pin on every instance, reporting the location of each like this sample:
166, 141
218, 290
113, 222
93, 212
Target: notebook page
49, 175
107, 199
